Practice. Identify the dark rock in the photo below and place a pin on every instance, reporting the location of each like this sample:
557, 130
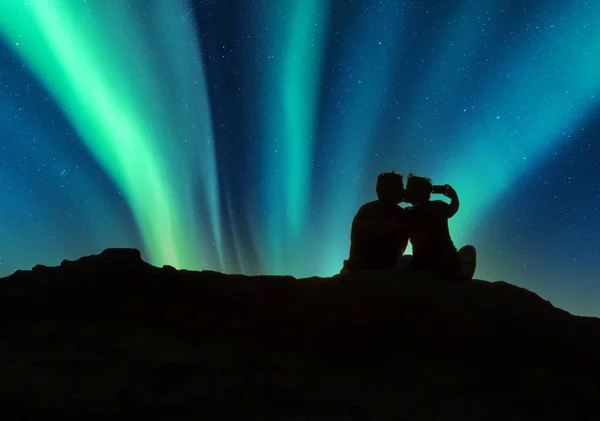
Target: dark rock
122, 253
112, 334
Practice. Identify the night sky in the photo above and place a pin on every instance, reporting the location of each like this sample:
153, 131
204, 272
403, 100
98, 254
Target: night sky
243, 135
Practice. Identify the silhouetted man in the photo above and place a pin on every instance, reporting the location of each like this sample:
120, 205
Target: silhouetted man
378, 232
427, 222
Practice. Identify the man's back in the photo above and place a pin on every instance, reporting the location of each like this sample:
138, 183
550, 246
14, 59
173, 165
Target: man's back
372, 244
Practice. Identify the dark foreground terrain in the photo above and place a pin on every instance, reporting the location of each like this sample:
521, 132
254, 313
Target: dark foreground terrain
112, 337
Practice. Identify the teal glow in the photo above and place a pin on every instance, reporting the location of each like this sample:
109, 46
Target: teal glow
534, 105
118, 115
302, 61
295, 48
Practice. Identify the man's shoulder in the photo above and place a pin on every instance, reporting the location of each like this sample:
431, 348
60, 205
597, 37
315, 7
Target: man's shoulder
371, 204
376, 208
368, 208
374, 204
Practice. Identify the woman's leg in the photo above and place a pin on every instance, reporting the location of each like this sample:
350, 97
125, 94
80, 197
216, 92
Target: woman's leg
468, 259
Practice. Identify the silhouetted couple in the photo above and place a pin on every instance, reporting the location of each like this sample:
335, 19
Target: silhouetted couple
381, 230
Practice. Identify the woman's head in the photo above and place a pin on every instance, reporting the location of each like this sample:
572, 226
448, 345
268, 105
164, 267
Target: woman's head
418, 189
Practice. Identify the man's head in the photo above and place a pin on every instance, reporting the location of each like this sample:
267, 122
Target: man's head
418, 189
390, 187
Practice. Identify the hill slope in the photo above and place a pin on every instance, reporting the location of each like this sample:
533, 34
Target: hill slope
112, 335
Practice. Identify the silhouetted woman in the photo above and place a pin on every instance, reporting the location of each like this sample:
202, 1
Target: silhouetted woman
427, 222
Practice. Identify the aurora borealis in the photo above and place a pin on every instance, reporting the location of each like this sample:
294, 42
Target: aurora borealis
242, 136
